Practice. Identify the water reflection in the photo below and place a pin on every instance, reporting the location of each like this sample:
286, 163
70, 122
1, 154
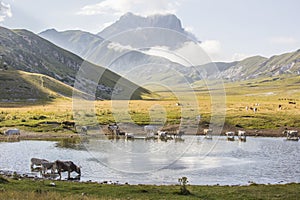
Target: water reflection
217, 161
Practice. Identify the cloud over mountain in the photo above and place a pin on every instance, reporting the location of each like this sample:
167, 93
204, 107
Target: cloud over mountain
141, 7
5, 11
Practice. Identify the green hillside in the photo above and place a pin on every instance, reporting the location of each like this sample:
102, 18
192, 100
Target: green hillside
24, 86
25, 51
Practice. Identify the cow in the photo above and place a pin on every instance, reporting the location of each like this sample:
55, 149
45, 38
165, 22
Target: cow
242, 136
162, 134
114, 129
129, 136
150, 129
14, 131
66, 166
291, 135
207, 131
230, 135
46, 166
37, 162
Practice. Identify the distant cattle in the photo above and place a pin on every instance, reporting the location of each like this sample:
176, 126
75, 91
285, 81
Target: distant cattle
12, 132
292, 102
162, 134
291, 135
242, 136
129, 136
279, 106
150, 129
114, 129
207, 131
66, 166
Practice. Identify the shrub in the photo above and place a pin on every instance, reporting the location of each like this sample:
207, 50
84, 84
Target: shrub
183, 182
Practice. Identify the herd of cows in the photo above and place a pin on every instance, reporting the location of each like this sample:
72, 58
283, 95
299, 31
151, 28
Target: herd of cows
56, 167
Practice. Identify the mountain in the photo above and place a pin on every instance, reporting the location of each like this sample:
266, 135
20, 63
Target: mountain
76, 41
25, 51
150, 31
122, 48
257, 66
128, 62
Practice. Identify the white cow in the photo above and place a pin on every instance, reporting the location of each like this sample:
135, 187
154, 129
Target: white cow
14, 131
242, 135
207, 131
150, 129
129, 136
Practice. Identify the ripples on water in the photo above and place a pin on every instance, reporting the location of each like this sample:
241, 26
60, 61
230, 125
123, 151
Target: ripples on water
217, 161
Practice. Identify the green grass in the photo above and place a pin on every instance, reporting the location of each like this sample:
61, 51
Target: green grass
41, 189
268, 92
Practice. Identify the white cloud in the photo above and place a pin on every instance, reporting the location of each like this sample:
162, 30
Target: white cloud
118, 47
211, 47
5, 11
283, 40
189, 54
239, 56
141, 7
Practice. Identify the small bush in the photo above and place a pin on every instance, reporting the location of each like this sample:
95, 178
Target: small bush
183, 182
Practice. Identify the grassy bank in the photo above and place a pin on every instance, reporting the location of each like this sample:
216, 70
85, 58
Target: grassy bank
45, 189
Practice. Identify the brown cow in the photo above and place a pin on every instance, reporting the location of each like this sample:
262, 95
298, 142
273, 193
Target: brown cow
66, 166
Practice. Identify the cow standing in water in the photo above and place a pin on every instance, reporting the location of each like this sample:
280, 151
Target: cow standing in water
37, 162
66, 166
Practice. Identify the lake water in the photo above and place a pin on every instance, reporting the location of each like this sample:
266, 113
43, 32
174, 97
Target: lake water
205, 162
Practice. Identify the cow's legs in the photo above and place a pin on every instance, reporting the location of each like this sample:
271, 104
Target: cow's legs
59, 173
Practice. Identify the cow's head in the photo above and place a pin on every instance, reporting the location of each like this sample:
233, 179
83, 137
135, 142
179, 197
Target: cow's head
78, 170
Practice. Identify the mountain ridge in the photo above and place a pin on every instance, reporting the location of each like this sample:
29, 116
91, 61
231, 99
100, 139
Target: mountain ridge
23, 50
248, 68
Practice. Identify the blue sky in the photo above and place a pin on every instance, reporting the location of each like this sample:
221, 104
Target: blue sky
229, 29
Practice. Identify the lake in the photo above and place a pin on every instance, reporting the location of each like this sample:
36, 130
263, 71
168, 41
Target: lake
204, 162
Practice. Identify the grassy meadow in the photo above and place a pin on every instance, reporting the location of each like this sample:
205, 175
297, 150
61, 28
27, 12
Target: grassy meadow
46, 190
264, 94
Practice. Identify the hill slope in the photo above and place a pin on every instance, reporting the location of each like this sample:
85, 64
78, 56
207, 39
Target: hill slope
257, 67
24, 86
23, 50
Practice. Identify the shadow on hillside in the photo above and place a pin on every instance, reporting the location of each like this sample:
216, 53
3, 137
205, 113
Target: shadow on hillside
18, 89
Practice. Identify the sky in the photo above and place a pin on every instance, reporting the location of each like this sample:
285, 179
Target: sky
228, 29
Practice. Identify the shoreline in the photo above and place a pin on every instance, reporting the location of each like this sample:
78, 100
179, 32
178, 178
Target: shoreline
23, 188
57, 136
30, 176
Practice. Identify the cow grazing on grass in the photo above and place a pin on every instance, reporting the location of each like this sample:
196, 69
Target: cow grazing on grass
66, 166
